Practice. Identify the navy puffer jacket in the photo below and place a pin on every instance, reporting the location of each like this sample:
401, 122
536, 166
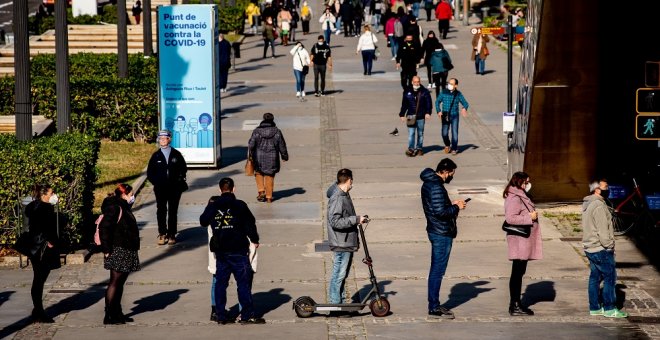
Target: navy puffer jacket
440, 213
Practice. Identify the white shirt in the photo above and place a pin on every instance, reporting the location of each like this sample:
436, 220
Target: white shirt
367, 42
300, 57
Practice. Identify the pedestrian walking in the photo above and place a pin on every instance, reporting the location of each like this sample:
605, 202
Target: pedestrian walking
44, 235
266, 146
376, 10
321, 59
306, 15
428, 47
252, 12
301, 63
295, 18
446, 104
390, 33
407, 58
342, 227
443, 13
480, 52
440, 66
346, 14
416, 103
120, 242
136, 10
167, 173
327, 20
428, 7
598, 243
232, 223
358, 18
441, 215
284, 23
269, 35
224, 61
519, 209
415, 30
367, 45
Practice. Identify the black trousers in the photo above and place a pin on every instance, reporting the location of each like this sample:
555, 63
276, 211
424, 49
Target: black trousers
443, 28
440, 81
305, 26
167, 206
406, 77
518, 269
41, 271
224, 74
319, 70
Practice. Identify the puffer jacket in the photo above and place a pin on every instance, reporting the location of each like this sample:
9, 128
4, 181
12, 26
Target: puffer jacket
436, 61
266, 145
341, 221
440, 213
116, 231
409, 103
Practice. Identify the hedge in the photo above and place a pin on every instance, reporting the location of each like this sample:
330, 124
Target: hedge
67, 162
102, 105
39, 25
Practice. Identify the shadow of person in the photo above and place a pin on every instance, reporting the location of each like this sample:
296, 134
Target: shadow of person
620, 294
289, 192
366, 289
539, 292
465, 291
158, 301
4, 296
265, 302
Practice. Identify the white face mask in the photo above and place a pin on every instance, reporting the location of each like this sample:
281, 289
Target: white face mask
450, 87
53, 199
131, 200
528, 187
416, 87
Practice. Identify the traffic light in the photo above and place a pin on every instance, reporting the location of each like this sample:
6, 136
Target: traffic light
646, 127
648, 100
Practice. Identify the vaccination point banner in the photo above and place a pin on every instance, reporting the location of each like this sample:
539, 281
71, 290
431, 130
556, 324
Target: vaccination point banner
189, 94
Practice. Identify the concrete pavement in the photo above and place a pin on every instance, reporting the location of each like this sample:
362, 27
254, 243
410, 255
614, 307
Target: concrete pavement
349, 127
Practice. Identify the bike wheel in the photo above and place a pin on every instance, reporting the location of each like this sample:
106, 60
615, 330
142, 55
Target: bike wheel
623, 222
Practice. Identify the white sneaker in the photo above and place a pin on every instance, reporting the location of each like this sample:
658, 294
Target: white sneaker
433, 86
337, 32
298, 94
302, 94
393, 58
430, 86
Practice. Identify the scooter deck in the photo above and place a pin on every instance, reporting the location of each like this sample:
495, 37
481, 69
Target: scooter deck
347, 307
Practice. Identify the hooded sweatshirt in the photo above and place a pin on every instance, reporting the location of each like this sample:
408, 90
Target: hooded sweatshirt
342, 221
598, 233
232, 223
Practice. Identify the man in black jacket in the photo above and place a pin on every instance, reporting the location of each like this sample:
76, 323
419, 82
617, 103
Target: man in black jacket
407, 58
224, 61
441, 216
416, 102
232, 223
167, 173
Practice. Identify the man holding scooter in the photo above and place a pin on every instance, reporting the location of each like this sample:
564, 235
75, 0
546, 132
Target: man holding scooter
342, 233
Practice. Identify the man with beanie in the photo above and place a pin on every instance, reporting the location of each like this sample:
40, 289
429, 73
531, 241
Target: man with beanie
167, 173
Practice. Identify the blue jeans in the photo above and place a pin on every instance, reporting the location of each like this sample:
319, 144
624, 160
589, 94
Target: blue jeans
342, 262
300, 80
479, 64
214, 281
453, 123
603, 268
440, 251
327, 34
338, 23
368, 60
415, 9
394, 44
239, 266
419, 128
272, 46
376, 20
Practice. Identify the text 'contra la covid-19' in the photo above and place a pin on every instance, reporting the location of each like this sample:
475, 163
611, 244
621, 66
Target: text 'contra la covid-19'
182, 30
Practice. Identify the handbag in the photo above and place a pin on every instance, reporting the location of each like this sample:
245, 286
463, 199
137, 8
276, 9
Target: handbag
411, 120
305, 68
523, 230
249, 167
446, 63
376, 51
30, 245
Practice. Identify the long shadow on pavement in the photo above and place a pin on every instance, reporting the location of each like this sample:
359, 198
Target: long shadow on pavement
463, 292
4, 296
358, 296
289, 192
158, 301
543, 291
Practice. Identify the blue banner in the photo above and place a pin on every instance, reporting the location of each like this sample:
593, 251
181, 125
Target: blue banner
188, 93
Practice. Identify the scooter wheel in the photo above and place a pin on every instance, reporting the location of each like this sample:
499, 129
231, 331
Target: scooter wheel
304, 306
379, 307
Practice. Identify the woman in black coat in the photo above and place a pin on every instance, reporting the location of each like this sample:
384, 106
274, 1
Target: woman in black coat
265, 147
120, 242
43, 227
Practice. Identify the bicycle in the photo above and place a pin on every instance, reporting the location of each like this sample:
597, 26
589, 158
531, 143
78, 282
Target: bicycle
632, 212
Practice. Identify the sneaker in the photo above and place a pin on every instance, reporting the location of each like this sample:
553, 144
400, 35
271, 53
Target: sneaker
297, 93
171, 241
225, 322
442, 312
214, 316
419, 152
253, 321
162, 239
430, 86
598, 312
615, 313
393, 58
322, 94
433, 85
302, 94
337, 32
454, 152
410, 153
317, 94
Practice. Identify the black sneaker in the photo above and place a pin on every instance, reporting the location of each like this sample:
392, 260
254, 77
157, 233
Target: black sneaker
442, 312
322, 94
253, 321
317, 94
225, 322
214, 316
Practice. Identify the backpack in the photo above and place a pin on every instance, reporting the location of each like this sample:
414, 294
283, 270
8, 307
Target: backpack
97, 236
398, 29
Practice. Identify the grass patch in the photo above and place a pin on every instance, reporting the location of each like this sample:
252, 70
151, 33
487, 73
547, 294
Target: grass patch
119, 162
568, 224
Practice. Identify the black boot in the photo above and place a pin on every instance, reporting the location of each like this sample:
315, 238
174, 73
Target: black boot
516, 308
214, 315
111, 317
121, 316
39, 316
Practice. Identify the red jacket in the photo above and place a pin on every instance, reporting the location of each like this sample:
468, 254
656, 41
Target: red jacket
443, 11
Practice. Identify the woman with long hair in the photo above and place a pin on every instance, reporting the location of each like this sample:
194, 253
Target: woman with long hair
367, 45
120, 242
520, 210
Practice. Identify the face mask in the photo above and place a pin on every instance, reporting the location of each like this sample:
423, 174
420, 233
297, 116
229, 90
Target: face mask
131, 200
416, 87
528, 187
450, 87
448, 179
604, 193
53, 199
321, 42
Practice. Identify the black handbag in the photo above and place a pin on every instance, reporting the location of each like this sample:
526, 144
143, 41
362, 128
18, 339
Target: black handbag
446, 63
523, 230
30, 245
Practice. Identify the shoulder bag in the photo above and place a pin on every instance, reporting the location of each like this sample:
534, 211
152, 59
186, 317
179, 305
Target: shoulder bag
249, 166
523, 230
411, 119
305, 68
376, 51
445, 114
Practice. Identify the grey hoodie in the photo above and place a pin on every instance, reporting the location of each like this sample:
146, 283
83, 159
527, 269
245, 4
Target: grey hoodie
598, 233
342, 221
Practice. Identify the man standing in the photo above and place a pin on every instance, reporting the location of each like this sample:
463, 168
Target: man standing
443, 13
441, 217
450, 98
232, 223
321, 57
598, 242
224, 61
407, 58
416, 102
342, 232
167, 173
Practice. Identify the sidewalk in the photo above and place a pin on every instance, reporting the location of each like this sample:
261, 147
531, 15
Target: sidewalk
169, 297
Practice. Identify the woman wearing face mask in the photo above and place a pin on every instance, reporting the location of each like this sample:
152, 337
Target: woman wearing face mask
120, 242
519, 209
43, 226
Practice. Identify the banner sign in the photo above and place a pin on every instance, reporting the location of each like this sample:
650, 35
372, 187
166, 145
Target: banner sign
189, 96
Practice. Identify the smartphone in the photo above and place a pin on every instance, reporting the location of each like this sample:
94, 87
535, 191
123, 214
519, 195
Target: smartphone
467, 200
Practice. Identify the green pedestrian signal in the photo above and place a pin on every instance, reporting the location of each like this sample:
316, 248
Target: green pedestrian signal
646, 127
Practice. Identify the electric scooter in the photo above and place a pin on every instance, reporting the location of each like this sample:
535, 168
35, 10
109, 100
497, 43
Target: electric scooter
305, 306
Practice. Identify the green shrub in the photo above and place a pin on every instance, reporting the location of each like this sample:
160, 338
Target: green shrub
67, 162
102, 105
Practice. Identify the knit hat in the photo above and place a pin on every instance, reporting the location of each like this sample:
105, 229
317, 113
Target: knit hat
269, 116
